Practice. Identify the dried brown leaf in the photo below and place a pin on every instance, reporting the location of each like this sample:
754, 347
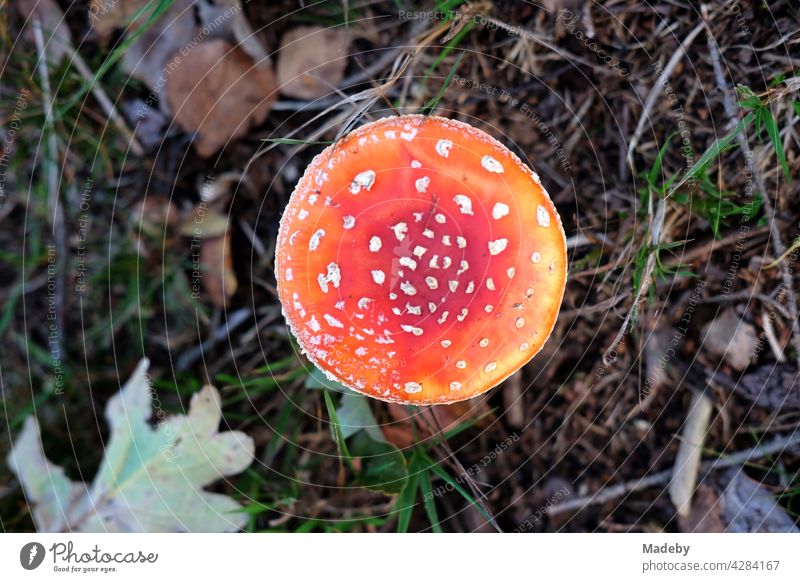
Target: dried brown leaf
216, 264
146, 58
216, 91
312, 61
184, 26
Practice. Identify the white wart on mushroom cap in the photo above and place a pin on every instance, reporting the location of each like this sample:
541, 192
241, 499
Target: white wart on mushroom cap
420, 261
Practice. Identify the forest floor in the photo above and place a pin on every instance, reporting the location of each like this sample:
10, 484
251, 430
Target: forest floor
668, 136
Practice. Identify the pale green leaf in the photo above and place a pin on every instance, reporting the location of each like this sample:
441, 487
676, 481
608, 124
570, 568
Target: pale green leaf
151, 479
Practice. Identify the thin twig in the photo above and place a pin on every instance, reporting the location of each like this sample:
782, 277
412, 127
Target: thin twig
106, 103
231, 322
658, 87
660, 478
54, 205
528, 35
656, 227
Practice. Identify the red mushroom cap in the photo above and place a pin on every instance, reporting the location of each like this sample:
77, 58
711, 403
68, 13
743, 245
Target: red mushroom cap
420, 261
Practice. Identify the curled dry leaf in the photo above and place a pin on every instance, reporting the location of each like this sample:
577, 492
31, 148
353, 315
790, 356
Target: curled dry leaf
216, 263
184, 26
216, 91
747, 506
219, 190
150, 479
204, 223
311, 61
154, 215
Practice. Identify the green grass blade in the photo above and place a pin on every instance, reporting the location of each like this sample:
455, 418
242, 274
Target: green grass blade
157, 9
336, 429
426, 489
431, 105
775, 137
713, 152
433, 466
406, 501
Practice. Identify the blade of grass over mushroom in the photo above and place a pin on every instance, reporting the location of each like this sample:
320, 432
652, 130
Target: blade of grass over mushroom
406, 502
426, 488
467, 424
431, 105
437, 468
336, 428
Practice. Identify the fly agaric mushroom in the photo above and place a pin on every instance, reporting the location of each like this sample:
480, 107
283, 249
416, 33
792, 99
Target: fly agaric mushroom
420, 261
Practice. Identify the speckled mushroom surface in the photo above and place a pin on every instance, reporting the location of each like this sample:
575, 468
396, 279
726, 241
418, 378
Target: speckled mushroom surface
420, 261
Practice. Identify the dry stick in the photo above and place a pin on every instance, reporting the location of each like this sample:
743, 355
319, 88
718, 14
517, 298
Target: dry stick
106, 104
690, 450
53, 199
661, 82
657, 479
99, 94
656, 226
528, 35
769, 211
232, 321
